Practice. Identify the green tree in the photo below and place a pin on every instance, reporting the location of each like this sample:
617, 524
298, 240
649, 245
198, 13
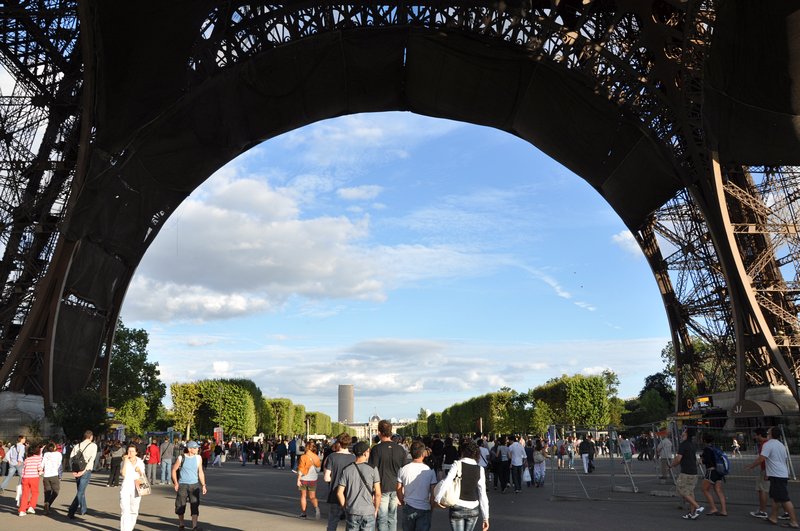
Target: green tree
662, 383
228, 404
319, 423
132, 414
706, 368
587, 401
131, 375
579, 400
616, 411
338, 428
423, 414
612, 382
85, 410
435, 423
299, 420
541, 418
654, 407
185, 403
282, 411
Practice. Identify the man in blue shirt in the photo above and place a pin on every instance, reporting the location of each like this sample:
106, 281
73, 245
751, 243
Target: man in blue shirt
190, 484
16, 456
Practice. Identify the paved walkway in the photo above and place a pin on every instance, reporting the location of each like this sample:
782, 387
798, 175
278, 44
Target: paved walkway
261, 498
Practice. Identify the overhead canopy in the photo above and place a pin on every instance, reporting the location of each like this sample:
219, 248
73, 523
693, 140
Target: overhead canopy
755, 408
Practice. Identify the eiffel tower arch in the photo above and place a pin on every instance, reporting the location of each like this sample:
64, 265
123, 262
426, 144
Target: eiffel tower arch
119, 110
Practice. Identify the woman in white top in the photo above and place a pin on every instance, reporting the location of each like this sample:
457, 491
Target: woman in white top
473, 501
132, 473
51, 476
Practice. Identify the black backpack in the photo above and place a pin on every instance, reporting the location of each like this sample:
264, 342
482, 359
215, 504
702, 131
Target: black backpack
78, 463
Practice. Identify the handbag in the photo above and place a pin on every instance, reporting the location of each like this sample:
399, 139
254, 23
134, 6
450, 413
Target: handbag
452, 495
144, 487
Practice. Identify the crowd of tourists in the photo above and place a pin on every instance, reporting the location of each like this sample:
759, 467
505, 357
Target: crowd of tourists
378, 484
133, 466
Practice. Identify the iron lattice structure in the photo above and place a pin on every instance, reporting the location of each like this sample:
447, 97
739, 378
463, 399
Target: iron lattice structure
39, 137
82, 198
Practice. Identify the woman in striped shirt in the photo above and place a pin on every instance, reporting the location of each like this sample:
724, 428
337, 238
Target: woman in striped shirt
30, 481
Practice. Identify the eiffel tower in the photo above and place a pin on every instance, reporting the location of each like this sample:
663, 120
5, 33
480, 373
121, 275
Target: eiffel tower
682, 114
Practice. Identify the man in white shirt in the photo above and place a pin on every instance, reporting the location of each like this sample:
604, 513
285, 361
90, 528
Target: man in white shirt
516, 453
415, 482
16, 456
774, 454
664, 453
88, 451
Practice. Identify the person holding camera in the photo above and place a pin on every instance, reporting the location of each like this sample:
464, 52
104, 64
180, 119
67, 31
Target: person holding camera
133, 471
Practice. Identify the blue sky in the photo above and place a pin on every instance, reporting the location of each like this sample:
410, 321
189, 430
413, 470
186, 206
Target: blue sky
422, 260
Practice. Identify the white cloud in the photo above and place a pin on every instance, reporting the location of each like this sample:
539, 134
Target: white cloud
221, 368
585, 306
240, 246
593, 371
355, 193
351, 141
549, 280
6, 81
626, 241
165, 301
399, 375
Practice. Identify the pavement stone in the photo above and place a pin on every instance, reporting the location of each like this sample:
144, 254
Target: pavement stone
262, 498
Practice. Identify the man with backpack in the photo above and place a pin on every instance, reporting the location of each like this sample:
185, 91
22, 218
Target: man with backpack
81, 462
716, 463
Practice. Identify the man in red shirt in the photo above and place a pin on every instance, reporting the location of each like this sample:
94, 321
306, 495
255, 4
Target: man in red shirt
152, 459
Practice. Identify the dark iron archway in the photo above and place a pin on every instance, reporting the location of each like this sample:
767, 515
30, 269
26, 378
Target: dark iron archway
120, 110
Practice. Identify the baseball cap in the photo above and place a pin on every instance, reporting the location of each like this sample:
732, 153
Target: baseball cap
192, 444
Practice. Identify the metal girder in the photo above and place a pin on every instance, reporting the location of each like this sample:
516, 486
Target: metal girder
39, 138
724, 251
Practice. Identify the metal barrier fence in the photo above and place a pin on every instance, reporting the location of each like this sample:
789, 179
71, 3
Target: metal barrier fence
647, 473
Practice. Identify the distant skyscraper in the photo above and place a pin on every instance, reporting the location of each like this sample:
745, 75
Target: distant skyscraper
346, 401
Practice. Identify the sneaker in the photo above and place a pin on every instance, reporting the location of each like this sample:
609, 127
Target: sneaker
758, 514
699, 510
22, 513
31, 510
303, 515
689, 516
784, 516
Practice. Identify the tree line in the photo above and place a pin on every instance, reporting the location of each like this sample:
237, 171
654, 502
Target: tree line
577, 400
238, 406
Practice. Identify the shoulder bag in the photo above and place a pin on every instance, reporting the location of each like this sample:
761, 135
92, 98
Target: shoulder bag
143, 488
453, 493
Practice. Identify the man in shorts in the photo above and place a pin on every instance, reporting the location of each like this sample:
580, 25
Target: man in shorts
687, 479
189, 485
774, 455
